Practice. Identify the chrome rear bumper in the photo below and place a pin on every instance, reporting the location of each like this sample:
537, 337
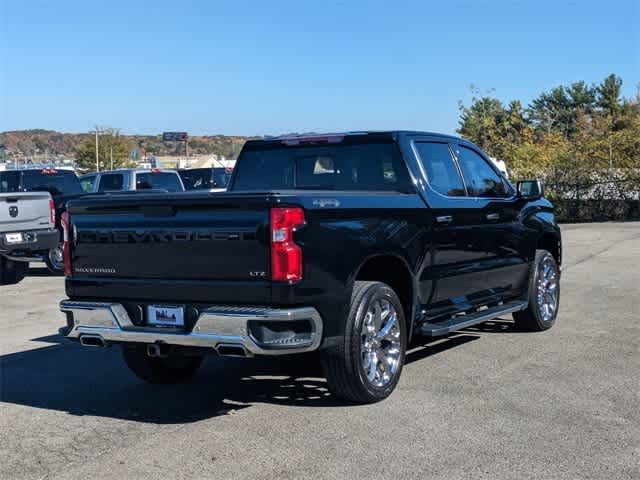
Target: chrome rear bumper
216, 327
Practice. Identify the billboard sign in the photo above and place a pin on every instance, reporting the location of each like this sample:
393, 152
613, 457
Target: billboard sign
174, 136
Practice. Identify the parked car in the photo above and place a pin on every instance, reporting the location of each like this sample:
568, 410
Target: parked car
62, 184
216, 178
27, 229
350, 244
131, 180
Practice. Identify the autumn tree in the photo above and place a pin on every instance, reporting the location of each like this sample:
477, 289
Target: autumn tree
113, 151
570, 135
609, 92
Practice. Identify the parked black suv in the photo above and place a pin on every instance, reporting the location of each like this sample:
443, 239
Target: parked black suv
350, 244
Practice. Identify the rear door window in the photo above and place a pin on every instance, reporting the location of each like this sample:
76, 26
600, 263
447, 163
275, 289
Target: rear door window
111, 182
442, 174
481, 179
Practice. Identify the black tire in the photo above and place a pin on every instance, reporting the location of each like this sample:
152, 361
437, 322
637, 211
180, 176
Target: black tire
533, 319
160, 370
344, 364
54, 263
12, 272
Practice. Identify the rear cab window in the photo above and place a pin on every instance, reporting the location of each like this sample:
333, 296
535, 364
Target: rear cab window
169, 181
221, 177
442, 173
350, 164
196, 179
56, 182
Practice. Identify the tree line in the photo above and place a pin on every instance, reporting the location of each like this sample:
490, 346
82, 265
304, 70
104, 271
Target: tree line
574, 136
121, 151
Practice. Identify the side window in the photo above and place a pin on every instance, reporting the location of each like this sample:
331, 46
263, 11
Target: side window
442, 174
87, 183
9, 182
111, 182
481, 179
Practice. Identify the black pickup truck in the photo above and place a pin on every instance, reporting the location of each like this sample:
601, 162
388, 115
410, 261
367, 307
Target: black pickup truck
349, 244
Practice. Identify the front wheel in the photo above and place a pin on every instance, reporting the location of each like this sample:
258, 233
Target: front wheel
366, 366
55, 260
163, 370
544, 295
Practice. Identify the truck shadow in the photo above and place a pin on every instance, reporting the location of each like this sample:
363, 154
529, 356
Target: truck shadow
423, 347
498, 325
83, 381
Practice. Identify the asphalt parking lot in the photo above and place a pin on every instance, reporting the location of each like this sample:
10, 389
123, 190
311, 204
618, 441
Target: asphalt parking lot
488, 402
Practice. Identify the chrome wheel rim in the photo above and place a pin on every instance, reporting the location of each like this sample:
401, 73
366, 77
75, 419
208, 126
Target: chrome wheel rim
380, 347
56, 257
547, 290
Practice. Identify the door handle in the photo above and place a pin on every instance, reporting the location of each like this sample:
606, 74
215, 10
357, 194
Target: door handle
444, 219
493, 216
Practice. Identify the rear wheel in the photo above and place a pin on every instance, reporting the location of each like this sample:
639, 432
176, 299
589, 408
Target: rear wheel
55, 260
163, 370
366, 366
544, 295
12, 272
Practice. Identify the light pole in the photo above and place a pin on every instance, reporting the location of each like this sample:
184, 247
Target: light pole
97, 160
115, 132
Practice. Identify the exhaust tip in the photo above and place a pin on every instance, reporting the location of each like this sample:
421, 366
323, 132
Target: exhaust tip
92, 341
231, 351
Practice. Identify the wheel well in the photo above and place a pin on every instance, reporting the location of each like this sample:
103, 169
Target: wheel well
550, 243
395, 273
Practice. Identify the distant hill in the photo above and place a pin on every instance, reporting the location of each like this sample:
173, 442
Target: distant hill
38, 141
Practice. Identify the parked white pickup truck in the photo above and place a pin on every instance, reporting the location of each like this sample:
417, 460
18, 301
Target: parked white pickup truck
27, 232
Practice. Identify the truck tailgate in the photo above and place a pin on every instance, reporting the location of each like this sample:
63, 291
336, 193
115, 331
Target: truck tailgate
25, 211
165, 237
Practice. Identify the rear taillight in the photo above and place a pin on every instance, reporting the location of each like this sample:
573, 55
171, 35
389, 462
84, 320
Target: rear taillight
286, 255
67, 237
52, 211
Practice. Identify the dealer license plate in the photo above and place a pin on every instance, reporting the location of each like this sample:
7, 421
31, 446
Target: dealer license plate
165, 315
13, 237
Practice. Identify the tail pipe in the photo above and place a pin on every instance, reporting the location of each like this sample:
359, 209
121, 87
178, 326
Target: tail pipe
92, 341
231, 350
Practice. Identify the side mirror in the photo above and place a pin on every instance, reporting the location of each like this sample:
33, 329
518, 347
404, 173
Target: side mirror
530, 189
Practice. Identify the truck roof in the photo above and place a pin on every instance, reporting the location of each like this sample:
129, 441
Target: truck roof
294, 138
137, 170
31, 168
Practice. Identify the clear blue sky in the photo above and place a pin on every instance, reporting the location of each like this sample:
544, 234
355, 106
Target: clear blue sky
268, 67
